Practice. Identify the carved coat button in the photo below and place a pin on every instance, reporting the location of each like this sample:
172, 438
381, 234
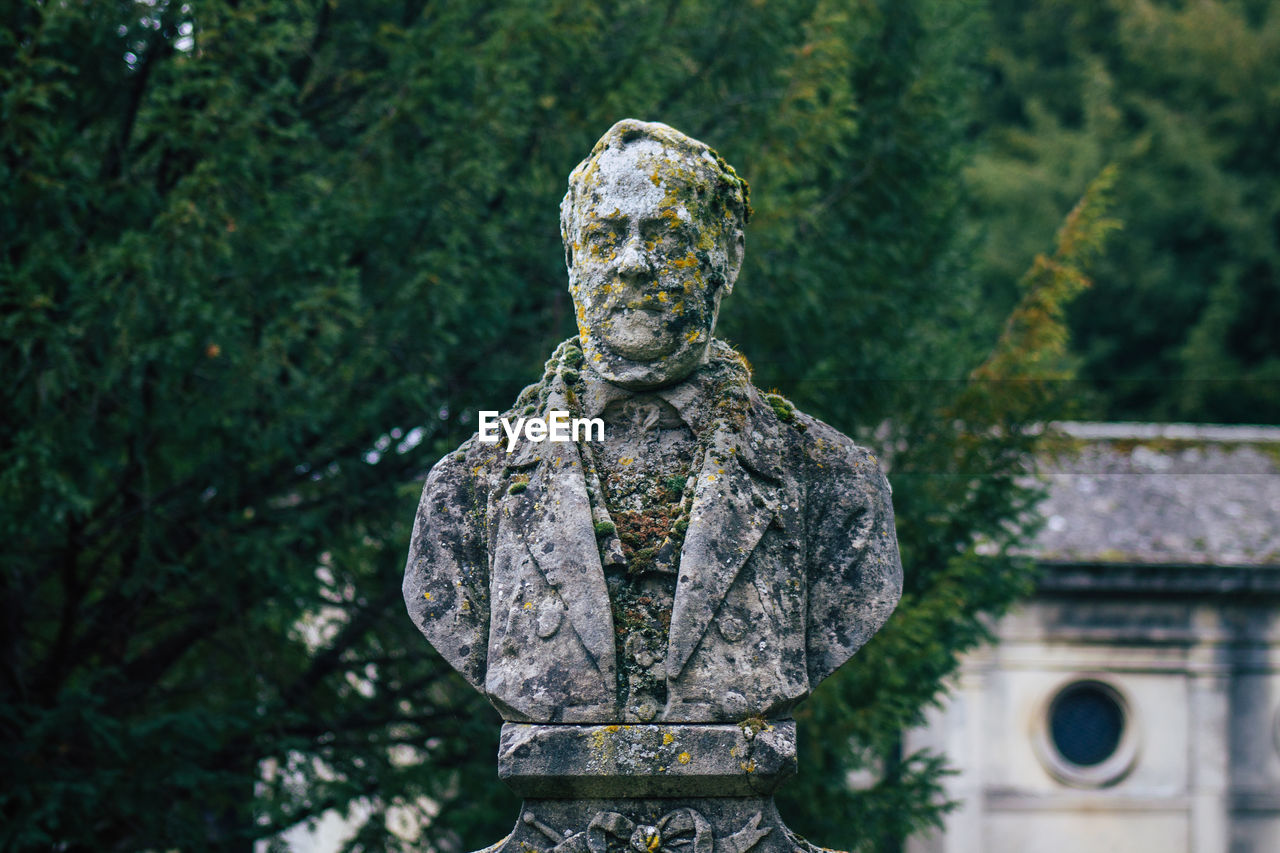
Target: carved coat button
550, 615
731, 628
645, 710
733, 704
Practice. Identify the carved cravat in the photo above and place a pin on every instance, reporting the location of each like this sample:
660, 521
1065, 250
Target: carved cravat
643, 467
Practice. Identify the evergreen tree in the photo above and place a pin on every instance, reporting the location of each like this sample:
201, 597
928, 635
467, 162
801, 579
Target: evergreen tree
1181, 95
262, 263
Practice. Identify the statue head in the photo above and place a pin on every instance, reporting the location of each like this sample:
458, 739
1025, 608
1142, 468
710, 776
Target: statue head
653, 234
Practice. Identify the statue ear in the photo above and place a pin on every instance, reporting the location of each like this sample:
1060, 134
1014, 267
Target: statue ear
567, 220
736, 248
566, 238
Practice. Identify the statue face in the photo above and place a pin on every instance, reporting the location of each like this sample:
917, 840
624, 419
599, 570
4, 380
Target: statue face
649, 264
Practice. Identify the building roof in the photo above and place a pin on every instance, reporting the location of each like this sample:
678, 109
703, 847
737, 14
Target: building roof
1163, 494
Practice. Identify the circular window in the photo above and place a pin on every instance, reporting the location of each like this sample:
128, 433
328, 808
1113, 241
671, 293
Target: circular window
1085, 723
1085, 736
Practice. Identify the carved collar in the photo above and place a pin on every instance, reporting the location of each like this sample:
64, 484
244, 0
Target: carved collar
693, 398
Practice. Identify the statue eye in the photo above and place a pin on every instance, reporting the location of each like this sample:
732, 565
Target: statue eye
655, 231
661, 235
600, 238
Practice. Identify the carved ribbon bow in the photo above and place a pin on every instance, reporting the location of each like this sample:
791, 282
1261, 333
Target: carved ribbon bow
681, 831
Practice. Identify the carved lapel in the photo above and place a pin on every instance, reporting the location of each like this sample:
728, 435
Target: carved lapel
554, 518
731, 510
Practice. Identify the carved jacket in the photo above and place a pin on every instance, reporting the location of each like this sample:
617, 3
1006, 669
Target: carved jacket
788, 566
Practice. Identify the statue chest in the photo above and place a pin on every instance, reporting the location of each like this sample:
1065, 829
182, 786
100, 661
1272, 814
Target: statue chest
643, 466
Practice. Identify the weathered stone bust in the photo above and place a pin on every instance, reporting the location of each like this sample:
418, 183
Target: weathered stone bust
678, 586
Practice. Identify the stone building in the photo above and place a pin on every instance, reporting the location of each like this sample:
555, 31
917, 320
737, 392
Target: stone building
1133, 703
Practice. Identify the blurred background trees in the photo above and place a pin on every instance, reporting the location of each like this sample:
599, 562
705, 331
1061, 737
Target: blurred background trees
263, 261
1184, 97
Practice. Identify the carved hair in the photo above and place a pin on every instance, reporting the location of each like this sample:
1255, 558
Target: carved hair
730, 192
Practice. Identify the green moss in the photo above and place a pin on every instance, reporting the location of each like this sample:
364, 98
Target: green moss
634, 615
674, 484
605, 528
785, 411
781, 407
573, 356
518, 485
571, 376
641, 560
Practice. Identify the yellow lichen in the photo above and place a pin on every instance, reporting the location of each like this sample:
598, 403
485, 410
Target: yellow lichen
683, 758
597, 741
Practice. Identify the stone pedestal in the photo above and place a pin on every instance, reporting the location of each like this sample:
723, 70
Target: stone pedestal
648, 788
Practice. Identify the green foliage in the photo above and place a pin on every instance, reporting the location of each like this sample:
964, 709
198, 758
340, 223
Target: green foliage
263, 261
1033, 345
1180, 96
962, 450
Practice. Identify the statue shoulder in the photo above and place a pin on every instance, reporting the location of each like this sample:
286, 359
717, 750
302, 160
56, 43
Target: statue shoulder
478, 461
815, 444
469, 459
457, 487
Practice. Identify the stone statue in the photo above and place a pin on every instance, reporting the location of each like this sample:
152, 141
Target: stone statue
681, 581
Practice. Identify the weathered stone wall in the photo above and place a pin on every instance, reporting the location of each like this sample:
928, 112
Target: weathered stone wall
1161, 593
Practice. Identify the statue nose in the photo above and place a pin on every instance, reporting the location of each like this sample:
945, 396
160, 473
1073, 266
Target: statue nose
634, 260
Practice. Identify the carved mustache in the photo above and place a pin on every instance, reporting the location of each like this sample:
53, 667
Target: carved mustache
621, 296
